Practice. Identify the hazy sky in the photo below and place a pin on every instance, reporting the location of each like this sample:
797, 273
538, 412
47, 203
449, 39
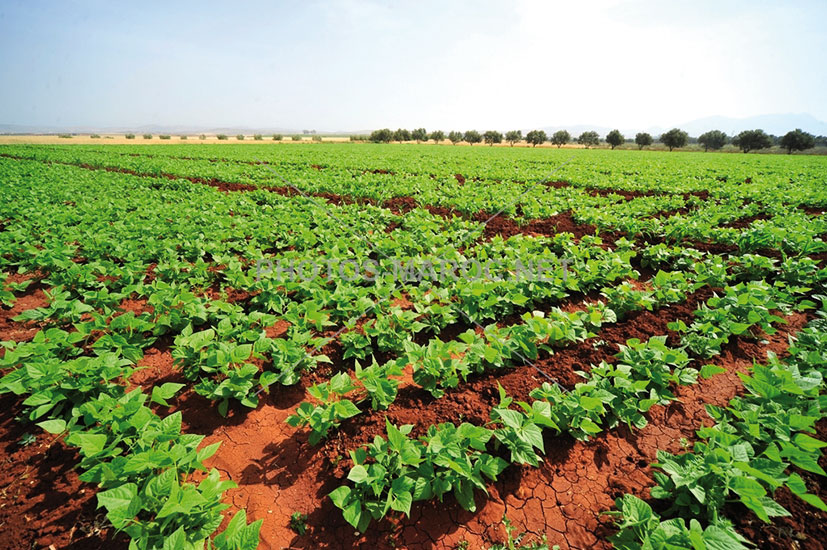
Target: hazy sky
363, 64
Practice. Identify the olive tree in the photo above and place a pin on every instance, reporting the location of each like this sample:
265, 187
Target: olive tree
472, 137
797, 140
674, 138
402, 135
643, 139
752, 140
492, 136
385, 135
514, 136
560, 138
536, 137
419, 135
615, 138
589, 139
713, 139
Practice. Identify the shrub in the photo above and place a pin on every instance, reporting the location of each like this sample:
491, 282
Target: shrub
222, 137
202, 136
65, 136
240, 137
257, 137
147, 136
278, 137
316, 138
296, 138
163, 136
183, 137
95, 136
130, 136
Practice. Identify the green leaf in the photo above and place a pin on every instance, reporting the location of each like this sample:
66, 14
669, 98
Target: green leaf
119, 497
708, 371
358, 474
54, 426
90, 444
160, 394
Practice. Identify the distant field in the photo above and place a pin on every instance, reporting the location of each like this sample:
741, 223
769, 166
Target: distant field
491, 331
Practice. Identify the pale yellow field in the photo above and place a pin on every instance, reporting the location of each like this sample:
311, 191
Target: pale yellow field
112, 139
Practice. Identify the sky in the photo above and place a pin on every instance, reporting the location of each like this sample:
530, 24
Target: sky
364, 64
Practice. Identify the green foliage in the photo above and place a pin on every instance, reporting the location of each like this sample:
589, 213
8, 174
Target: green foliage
640, 527
674, 138
615, 138
298, 523
385, 135
492, 136
536, 137
589, 139
797, 140
390, 474
472, 137
752, 140
513, 136
643, 139
515, 542
560, 138
332, 410
402, 134
419, 135
713, 139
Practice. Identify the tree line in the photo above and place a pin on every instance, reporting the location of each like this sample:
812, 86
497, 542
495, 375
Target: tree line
713, 140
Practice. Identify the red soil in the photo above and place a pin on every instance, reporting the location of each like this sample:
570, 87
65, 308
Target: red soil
279, 472
42, 502
33, 297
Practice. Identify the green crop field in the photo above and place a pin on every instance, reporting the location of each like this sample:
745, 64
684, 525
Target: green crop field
412, 346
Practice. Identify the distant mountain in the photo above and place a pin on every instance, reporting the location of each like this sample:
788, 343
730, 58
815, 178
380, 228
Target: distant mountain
778, 124
142, 129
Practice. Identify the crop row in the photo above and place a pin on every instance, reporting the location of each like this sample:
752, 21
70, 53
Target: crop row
754, 447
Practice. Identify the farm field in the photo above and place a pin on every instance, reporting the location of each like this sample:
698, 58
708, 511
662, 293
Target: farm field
411, 346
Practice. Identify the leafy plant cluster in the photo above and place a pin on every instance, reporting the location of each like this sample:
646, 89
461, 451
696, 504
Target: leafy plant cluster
745, 309
744, 457
390, 474
140, 460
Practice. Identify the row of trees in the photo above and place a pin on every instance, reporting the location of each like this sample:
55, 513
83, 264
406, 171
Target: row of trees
748, 140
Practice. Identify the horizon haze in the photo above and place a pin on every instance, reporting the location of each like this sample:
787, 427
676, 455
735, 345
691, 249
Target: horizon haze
358, 65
